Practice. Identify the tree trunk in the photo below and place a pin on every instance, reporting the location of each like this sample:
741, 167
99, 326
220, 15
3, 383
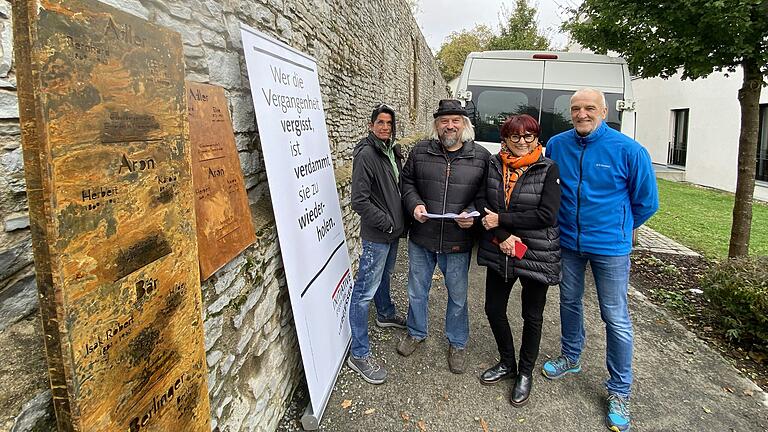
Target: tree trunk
749, 100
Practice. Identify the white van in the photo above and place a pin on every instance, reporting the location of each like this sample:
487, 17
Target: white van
497, 84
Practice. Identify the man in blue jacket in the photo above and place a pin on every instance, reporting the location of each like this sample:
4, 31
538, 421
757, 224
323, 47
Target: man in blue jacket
608, 189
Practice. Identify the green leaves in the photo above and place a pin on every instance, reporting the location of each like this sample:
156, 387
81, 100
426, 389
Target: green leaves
458, 45
519, 31
658, 38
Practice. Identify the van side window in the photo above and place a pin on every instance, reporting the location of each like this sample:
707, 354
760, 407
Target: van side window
494, 104
556, 112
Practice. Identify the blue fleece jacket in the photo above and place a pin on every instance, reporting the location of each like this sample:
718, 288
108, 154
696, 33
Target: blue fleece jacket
608, 188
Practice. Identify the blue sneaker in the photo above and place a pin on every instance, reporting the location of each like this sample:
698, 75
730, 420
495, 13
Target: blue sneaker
557, 367
617, 419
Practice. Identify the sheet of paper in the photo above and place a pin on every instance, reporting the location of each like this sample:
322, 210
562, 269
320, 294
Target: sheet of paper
451, 215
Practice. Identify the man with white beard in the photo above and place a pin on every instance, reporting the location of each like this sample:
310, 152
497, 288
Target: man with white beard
444, 174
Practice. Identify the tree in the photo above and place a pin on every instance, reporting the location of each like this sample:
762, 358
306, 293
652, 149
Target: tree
695, 37
457, 46
519, 30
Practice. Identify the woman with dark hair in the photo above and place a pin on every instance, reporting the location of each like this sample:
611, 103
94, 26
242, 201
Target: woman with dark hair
521, 203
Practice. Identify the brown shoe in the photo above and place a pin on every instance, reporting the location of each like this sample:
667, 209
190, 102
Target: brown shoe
408, 345
457, 359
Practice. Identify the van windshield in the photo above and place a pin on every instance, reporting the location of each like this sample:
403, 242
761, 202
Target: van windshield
550, 107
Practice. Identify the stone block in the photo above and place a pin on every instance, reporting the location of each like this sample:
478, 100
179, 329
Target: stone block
212, 38
9, 105
243, 117
213, 357
283, 27
250, 302
249, 162
18, 301
231, 292
179, 10
224, 69
6, 45
213, 328
227, 364
133, 7
189, 34
36, 414
245, 338
8, 83
15, 256
16, 221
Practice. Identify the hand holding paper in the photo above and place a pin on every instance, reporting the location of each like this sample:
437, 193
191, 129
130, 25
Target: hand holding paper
452, 215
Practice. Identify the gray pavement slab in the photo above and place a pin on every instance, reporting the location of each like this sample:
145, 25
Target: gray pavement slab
680, 383
650, 240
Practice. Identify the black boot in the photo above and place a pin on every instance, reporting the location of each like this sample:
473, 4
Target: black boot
521, 391
497, 373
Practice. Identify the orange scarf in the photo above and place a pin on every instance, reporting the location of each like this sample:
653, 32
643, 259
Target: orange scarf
513, 167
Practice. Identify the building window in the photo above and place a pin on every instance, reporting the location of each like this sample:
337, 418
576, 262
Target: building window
678, 144
761, 173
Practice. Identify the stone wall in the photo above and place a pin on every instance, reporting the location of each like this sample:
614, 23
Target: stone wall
367, 52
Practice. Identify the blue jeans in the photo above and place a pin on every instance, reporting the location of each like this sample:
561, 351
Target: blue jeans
373, 276
611, 275
455, 268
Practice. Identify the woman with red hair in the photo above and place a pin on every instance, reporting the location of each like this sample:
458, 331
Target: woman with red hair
522, 198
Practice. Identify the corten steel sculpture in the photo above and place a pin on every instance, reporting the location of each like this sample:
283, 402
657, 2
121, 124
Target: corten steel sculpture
224, 223
107, 161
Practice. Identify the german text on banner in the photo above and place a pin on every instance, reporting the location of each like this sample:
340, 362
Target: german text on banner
294, 141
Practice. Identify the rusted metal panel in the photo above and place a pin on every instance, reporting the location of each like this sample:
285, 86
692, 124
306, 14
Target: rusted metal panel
224, 222
107, 163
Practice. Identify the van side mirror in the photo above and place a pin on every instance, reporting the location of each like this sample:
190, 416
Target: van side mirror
625, 105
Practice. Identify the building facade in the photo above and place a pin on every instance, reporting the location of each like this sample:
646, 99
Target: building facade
691, 129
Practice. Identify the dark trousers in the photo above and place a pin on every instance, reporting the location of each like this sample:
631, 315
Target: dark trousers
533, 298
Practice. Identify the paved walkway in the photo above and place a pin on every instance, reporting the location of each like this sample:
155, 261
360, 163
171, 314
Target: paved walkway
680, 383
650, 240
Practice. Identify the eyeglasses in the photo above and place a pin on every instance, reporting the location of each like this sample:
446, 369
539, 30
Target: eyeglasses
528, 138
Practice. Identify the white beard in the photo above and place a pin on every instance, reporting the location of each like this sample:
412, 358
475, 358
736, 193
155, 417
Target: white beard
449, 143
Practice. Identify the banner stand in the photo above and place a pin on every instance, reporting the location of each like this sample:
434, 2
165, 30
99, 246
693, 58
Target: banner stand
311, 421
287, 101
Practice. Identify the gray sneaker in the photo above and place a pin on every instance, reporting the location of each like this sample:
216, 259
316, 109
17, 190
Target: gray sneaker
368, 369
408, 345
457, 359
395, 321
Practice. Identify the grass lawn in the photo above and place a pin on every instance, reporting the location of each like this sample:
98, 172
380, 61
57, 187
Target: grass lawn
701, 219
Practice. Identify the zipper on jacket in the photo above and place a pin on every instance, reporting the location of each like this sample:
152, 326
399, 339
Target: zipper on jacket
445, 200
506, 267
578, 195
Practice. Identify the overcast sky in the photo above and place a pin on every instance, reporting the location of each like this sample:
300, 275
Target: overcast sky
438, 18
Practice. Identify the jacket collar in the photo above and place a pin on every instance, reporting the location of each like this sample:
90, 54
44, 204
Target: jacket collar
593, 136
376, 143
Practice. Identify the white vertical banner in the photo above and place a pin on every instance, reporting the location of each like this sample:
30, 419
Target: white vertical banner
294, 141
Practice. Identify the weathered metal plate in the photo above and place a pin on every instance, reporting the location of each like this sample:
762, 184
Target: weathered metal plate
103, 115
224, 222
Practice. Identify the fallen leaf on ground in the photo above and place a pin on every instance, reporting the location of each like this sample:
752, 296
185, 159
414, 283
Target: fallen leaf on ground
405, 416
748, 392
484, 424
347, 403
422, 426
369, 411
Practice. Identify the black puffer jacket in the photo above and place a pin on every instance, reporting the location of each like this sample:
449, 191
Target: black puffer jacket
443, 183
376, 193
532, 216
